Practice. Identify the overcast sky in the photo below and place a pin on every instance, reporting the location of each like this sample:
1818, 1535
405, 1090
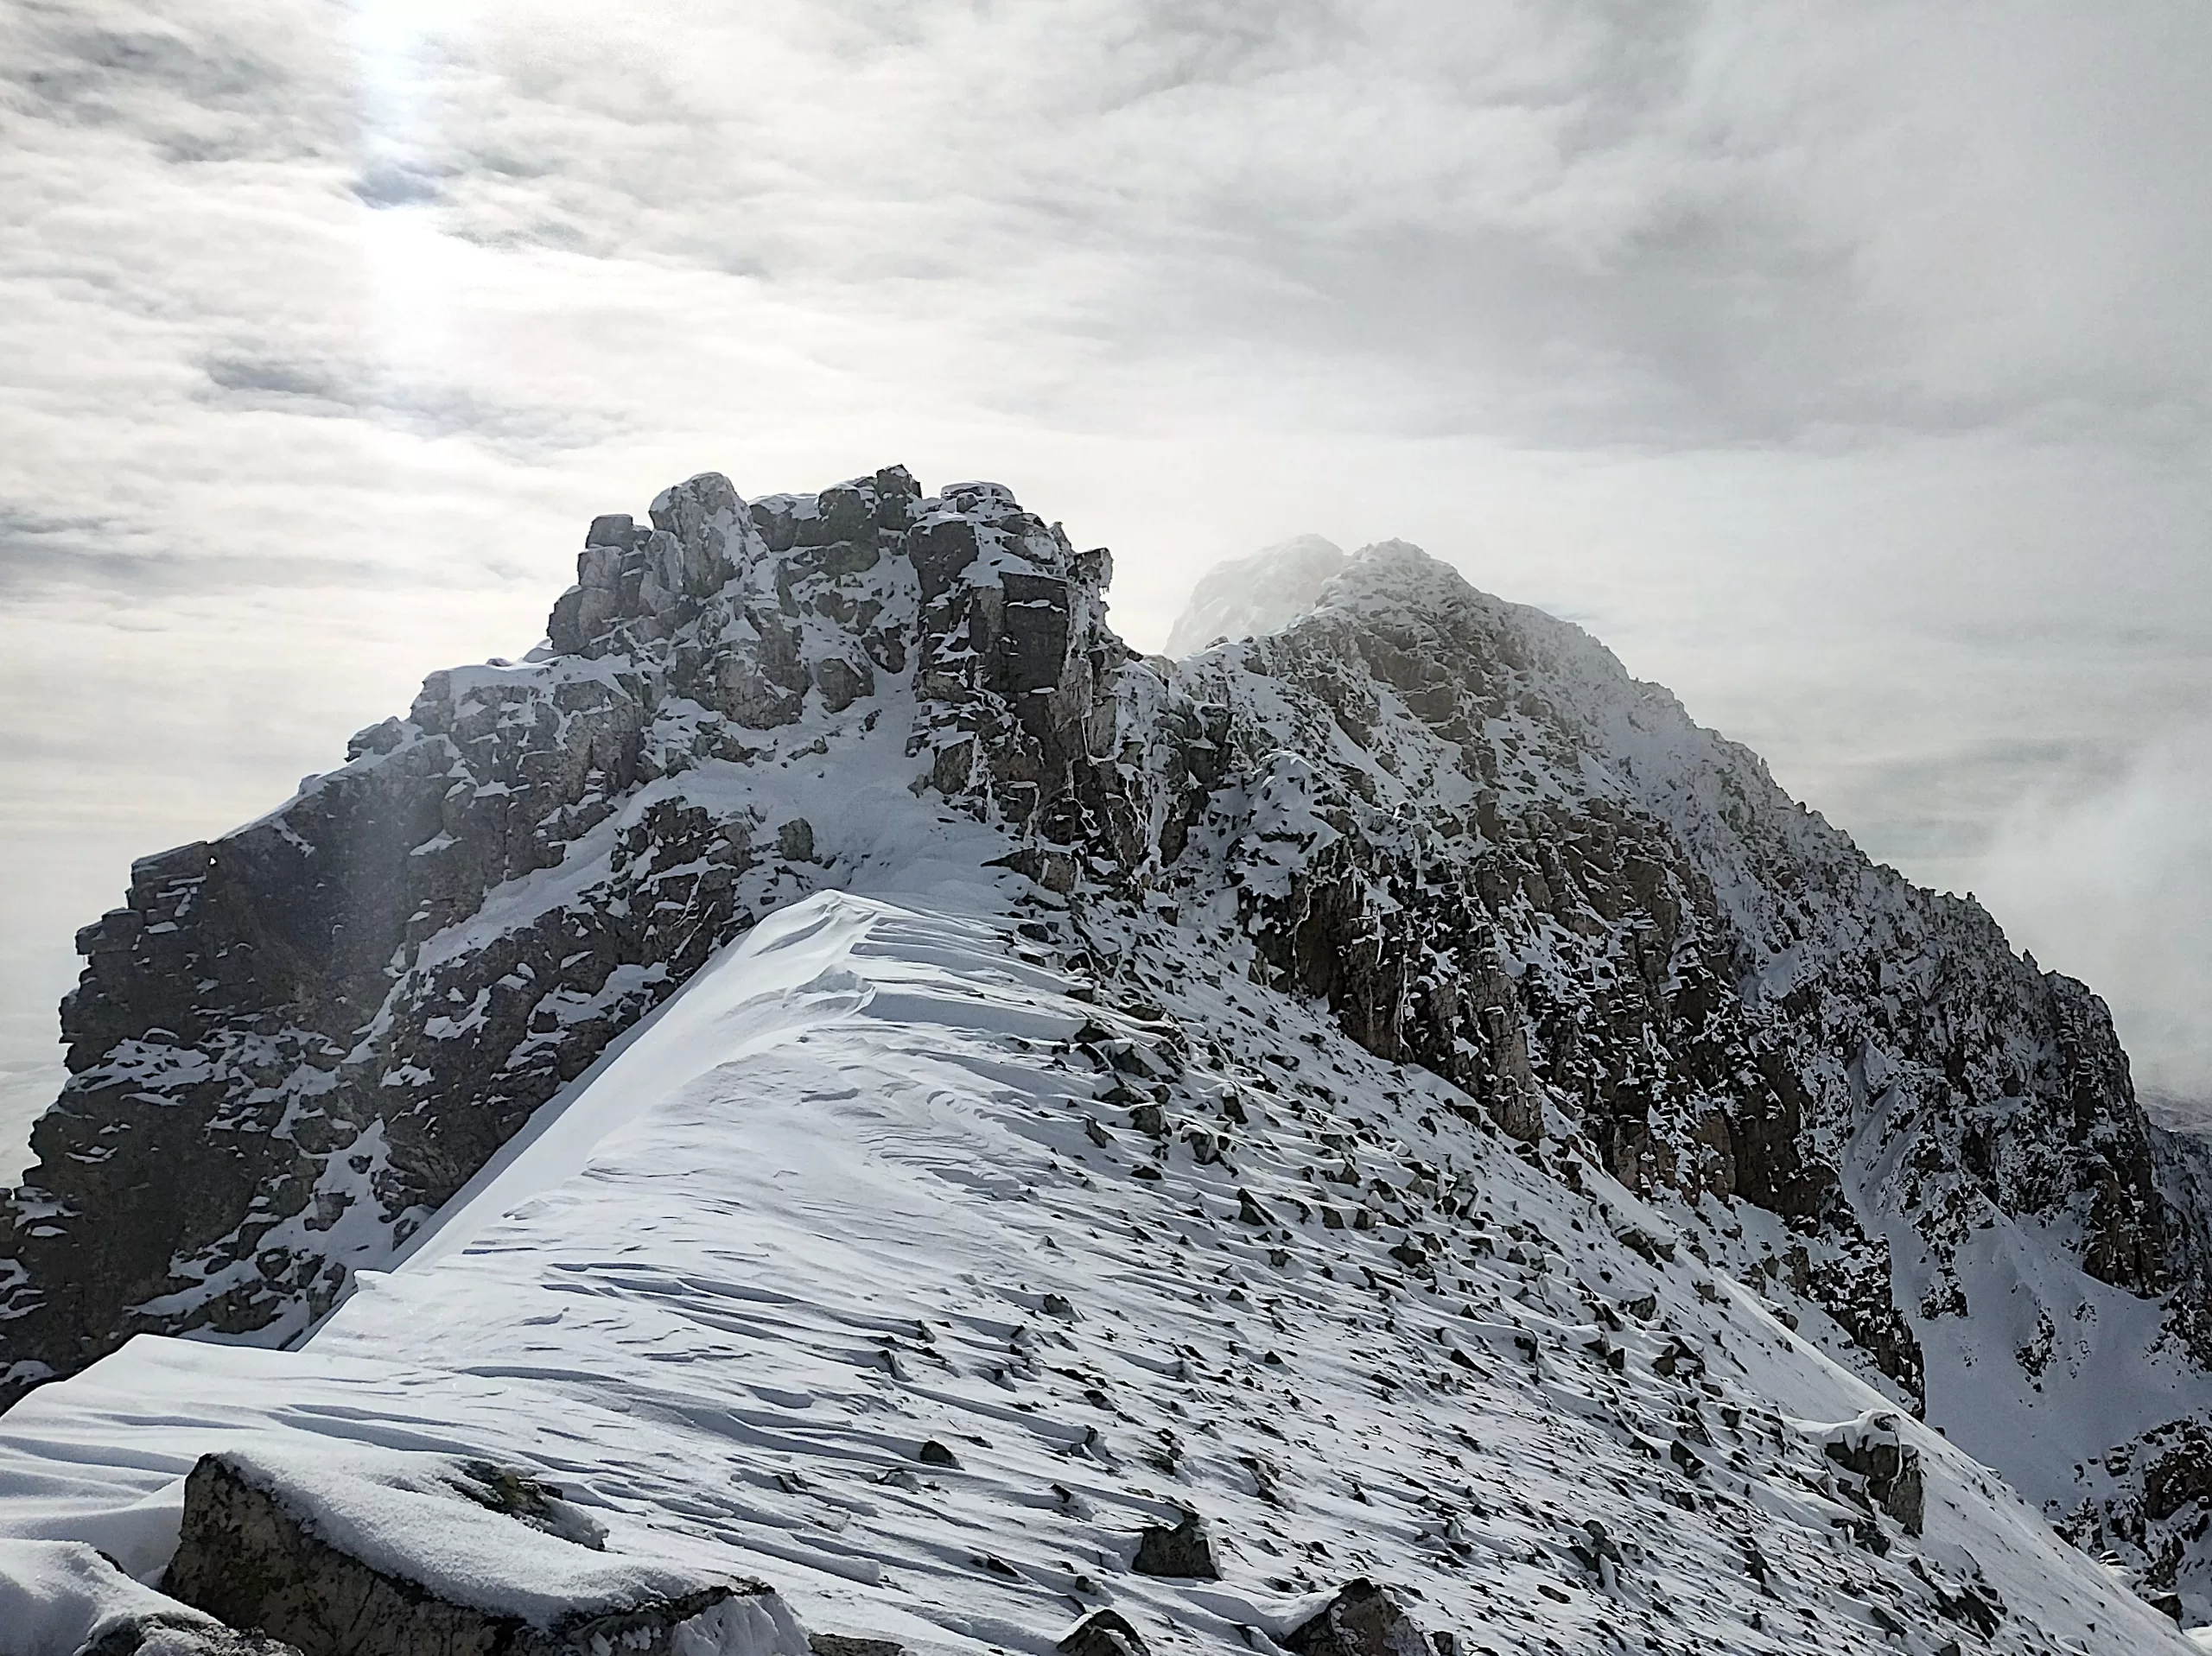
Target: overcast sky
1844, 368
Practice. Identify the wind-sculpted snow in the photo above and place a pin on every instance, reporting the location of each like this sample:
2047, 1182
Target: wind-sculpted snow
1451, 829
897, 1265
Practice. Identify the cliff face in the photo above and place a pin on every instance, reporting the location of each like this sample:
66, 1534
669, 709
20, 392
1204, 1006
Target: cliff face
1456, 821
1537, 876
292, 1043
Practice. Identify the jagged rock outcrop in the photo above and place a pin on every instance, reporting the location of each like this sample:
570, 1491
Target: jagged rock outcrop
1456, 822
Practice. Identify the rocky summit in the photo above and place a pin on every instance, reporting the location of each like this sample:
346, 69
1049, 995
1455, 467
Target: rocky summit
1407, 974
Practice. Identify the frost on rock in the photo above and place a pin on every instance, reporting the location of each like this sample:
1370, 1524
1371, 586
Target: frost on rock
1524, 916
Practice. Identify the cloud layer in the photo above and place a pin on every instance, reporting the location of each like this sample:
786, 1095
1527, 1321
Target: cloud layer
1844, 368
2111, 886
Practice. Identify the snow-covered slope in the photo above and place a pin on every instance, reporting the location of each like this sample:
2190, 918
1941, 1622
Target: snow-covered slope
1441, 846
884, 1176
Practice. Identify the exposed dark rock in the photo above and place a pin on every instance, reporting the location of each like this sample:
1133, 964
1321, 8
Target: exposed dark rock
166, 1635
2151, 1498
839, 1644
1872, 1450
932, 1453
1104, 1632
1360, 1620
2177, 1468
1185, 1551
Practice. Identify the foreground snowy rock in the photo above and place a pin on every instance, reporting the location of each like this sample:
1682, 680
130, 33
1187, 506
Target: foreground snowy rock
392, 1555
873, 1181
61, 1598
1413, 948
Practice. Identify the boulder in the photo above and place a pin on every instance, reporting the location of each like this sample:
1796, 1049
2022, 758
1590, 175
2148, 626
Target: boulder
344, 1552
1103, 1632
1361, 1619
1184, 1553
1871, 1449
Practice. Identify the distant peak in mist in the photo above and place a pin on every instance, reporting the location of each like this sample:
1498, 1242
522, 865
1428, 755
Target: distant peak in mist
1248, 597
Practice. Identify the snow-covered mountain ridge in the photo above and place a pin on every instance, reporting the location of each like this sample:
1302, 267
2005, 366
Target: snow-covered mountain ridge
894, 1267
1527, 887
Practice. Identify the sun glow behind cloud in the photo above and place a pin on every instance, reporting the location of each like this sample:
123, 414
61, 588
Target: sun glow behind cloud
409, 267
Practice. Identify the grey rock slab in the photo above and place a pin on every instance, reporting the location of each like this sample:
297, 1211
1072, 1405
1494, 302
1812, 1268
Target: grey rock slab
842, 1644
177, 1635
352, 1554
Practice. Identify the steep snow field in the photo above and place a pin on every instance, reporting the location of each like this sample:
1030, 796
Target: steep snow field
895, 1173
